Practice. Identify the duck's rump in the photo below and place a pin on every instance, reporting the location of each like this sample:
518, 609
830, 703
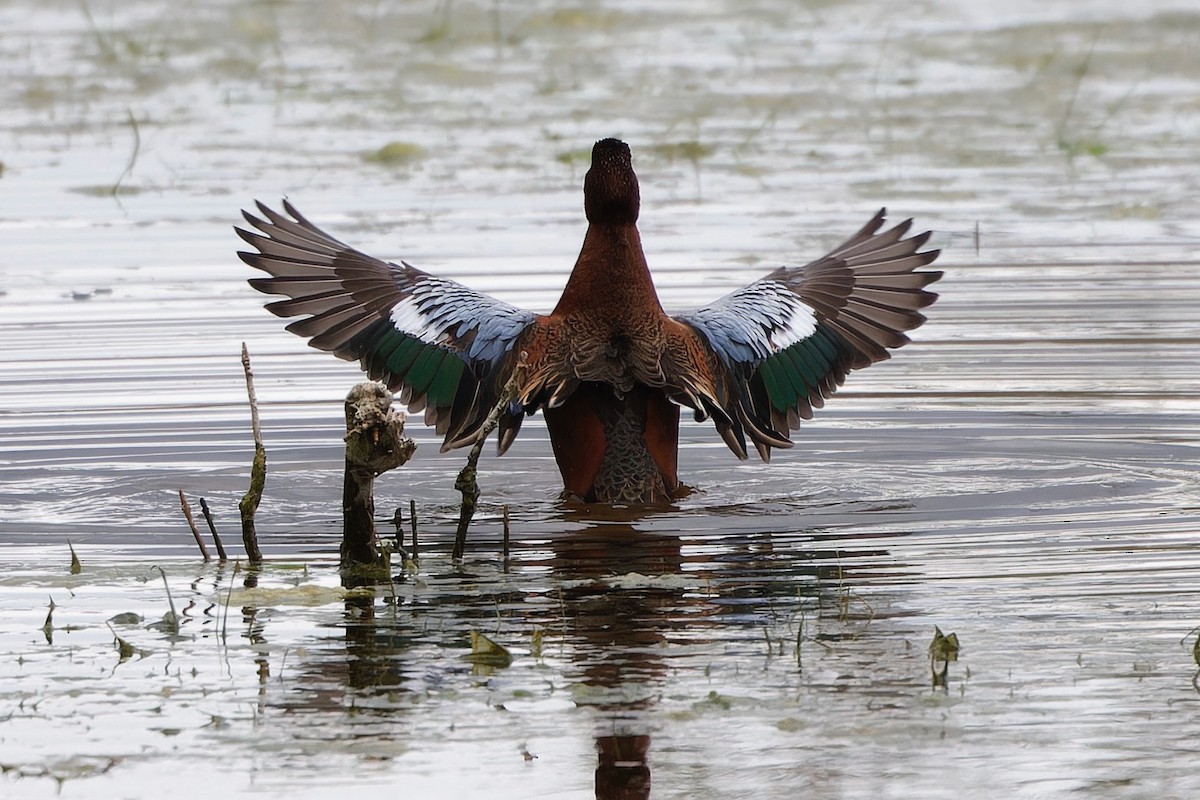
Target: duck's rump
614, 449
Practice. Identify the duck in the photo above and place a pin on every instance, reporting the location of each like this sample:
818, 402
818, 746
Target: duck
608, 368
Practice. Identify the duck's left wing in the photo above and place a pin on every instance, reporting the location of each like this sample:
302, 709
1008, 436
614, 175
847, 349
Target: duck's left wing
448, 348
765, 355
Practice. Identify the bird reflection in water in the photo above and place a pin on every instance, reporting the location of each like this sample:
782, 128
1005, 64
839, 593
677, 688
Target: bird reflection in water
623, 773
618, 634
616, 628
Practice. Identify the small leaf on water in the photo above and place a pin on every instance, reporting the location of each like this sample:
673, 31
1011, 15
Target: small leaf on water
168, 624
126, 618
486, 652
48, 625
943, 647
714, 700
1196, 651
76, 567
124, 649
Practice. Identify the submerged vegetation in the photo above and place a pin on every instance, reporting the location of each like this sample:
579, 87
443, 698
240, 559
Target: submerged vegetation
220, 662
395, 154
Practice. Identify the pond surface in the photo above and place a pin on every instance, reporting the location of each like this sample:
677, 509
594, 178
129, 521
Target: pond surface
1023, 476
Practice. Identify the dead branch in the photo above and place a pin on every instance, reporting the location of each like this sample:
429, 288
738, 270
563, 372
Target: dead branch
187, 514
467, 481
258, 471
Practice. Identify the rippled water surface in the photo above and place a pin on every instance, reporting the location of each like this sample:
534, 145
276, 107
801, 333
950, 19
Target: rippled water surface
1024, 475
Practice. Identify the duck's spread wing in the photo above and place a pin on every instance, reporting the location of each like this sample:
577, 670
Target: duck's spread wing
762, 357
447, 348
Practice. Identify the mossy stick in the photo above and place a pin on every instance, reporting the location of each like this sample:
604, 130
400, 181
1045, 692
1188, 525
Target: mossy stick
258, 471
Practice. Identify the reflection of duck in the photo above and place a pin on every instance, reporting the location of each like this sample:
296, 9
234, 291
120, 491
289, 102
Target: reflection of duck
618, 604
617, 636
622, 772
607, 367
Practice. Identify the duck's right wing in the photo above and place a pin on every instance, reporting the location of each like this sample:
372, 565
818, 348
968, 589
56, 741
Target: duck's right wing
447, 348
762, 357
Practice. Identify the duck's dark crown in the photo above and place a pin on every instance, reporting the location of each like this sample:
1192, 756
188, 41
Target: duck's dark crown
610, 188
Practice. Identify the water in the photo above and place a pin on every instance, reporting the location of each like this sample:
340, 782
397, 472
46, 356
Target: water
1023, 475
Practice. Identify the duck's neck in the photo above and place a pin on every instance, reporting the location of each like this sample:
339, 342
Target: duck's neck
611, 273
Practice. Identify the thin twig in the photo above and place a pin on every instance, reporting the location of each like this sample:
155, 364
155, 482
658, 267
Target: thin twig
254, 423
467, 482
412, 518
398, 521
504, 512
213, 528
103, 42
133, 157
228, 597
187, 514
172, 619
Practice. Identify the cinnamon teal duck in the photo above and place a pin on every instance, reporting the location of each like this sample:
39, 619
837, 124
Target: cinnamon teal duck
608, 368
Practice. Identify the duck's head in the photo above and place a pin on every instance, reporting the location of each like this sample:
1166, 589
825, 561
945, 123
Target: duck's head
610, 189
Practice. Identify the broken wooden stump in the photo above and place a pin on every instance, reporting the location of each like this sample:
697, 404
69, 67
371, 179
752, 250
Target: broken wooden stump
375, 443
